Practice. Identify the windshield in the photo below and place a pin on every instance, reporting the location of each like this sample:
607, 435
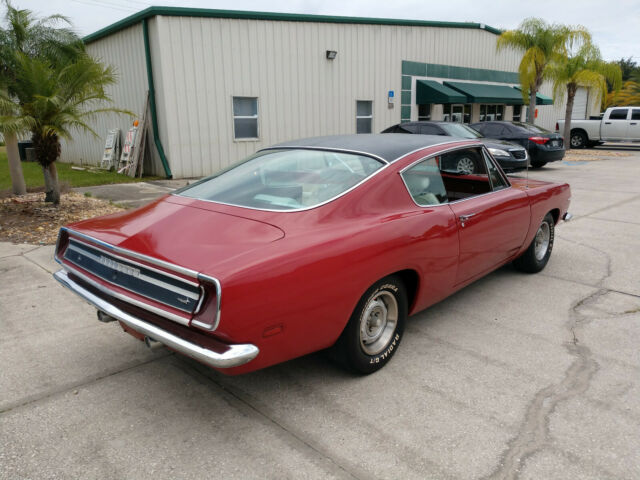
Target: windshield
285, 179
460, 130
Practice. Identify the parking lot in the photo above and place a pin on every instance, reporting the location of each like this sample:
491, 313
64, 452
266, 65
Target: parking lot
516, 376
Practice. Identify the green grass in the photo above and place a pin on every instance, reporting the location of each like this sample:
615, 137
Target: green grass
75, 178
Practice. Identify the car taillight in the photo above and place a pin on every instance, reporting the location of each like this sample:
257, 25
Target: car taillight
539, 140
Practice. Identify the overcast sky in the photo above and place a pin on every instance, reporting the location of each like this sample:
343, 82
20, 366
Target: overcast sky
614, 24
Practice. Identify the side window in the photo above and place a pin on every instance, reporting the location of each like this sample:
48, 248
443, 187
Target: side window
464, 173
618, 114
492, 130
498, 182
425, 184
364, 116
635, 114
245, 117
430, 130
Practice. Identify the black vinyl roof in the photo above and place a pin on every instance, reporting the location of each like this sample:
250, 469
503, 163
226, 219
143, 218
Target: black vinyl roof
388, 146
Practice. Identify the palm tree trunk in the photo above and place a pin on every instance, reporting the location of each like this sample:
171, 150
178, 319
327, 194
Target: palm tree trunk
15, 167
531, 113
571, 93
51, 185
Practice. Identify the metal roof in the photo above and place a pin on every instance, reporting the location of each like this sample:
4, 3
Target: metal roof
273, 16
388, 146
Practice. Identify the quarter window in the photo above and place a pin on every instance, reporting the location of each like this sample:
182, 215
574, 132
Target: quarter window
364, 116
245, 117
618, 114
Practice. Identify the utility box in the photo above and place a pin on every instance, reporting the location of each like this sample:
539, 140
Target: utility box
22, 149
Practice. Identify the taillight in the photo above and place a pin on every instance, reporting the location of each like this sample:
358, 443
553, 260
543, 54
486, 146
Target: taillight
539, 140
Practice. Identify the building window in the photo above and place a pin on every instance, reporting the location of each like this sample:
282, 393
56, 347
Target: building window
424, 112
245, 117
489, 113
457, 113
517, 113
364, 116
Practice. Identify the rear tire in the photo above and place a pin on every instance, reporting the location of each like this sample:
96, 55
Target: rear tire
538, 164
535, 258
375, 328
578, 139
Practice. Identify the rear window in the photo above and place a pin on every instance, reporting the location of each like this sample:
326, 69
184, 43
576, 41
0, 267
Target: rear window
285, 179
530, 127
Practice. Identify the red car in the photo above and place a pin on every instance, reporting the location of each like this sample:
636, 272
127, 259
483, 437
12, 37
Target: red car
327, 242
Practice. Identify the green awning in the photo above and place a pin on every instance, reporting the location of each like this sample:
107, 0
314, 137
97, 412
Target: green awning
540, 98
430, 91
485, 93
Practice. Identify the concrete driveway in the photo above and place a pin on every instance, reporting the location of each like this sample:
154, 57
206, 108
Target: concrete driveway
516, 376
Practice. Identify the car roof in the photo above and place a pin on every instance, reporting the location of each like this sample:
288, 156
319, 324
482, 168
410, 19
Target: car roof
388, 146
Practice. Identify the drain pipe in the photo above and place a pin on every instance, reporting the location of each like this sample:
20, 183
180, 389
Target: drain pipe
152, 100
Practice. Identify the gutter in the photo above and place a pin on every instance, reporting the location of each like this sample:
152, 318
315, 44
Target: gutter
152, 99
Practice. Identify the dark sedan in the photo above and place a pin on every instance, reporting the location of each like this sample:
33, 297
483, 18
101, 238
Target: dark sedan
510, 156
543, 145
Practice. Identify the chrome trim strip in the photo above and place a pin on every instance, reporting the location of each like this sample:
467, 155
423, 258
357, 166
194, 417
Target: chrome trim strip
326, 149
127, 299
205, 326
446, 150
236, 355
146, 278
154, 261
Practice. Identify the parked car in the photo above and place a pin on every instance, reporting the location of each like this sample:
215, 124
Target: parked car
319, 243
510, 156
618, 124
543, 145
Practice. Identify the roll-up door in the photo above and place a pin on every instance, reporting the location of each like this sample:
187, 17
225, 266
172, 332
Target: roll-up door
580, 104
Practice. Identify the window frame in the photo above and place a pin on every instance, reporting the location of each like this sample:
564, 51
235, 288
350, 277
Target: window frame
256, 117
370, 117
448, 150
619, 119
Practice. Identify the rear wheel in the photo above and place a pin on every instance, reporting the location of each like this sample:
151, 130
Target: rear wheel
538, 164
375, 328
578, 139
535, 258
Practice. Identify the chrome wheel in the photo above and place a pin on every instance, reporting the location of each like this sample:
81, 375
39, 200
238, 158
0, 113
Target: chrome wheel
543, 235
465, 165
378, 322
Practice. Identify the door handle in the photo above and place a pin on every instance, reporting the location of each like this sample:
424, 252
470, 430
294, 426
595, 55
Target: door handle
607, 123
634, 123
464, 218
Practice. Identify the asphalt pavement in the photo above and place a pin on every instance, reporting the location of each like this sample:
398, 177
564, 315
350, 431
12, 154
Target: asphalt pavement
515, 377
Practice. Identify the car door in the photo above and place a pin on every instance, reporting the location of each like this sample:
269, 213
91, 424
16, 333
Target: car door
615, 126
492, 217
633, 133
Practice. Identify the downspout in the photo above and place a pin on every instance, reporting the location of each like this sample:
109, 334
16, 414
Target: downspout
152, 100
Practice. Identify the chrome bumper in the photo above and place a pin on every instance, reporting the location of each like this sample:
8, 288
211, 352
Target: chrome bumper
234, 356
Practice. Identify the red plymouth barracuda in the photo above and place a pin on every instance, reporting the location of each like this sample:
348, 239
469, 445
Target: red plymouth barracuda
328, 242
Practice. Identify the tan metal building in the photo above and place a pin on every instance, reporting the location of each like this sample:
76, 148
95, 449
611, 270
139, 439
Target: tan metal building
224, 84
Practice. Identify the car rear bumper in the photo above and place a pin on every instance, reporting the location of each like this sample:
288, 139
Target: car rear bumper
510, 163
228, 355
544, 155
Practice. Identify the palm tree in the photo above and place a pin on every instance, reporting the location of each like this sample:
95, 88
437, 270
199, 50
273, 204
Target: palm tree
583, 67
542, 44
24, 34
51, 103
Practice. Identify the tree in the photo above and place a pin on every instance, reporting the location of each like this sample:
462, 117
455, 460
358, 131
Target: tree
542, 44
24, 34
582, 67
628, 67
53, 101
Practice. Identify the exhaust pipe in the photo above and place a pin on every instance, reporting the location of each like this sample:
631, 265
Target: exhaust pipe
152, 344
104, 318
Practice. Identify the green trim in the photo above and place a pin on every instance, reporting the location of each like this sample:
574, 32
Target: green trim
406, 82
405, 97
152, 100
405, 112
282, 17
540, 98
458, 73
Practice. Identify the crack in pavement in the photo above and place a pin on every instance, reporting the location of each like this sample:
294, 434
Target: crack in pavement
534, 435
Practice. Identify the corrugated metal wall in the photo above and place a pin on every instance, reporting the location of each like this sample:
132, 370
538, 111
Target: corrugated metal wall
199, 64
125, 51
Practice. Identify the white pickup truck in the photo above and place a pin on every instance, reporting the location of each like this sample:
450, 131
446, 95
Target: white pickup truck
618, 124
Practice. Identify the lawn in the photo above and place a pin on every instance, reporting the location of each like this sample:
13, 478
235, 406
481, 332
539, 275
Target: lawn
66, 175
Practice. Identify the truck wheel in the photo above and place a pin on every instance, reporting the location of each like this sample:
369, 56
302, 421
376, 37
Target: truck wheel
535, 258
375, 328
578, 139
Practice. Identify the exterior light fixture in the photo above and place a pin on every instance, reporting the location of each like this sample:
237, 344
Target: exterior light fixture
331, 54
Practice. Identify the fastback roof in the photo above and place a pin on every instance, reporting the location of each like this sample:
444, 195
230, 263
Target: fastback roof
388, 146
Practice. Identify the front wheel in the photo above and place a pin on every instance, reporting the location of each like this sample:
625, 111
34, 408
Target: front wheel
538, 164
375, 328
535, 258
